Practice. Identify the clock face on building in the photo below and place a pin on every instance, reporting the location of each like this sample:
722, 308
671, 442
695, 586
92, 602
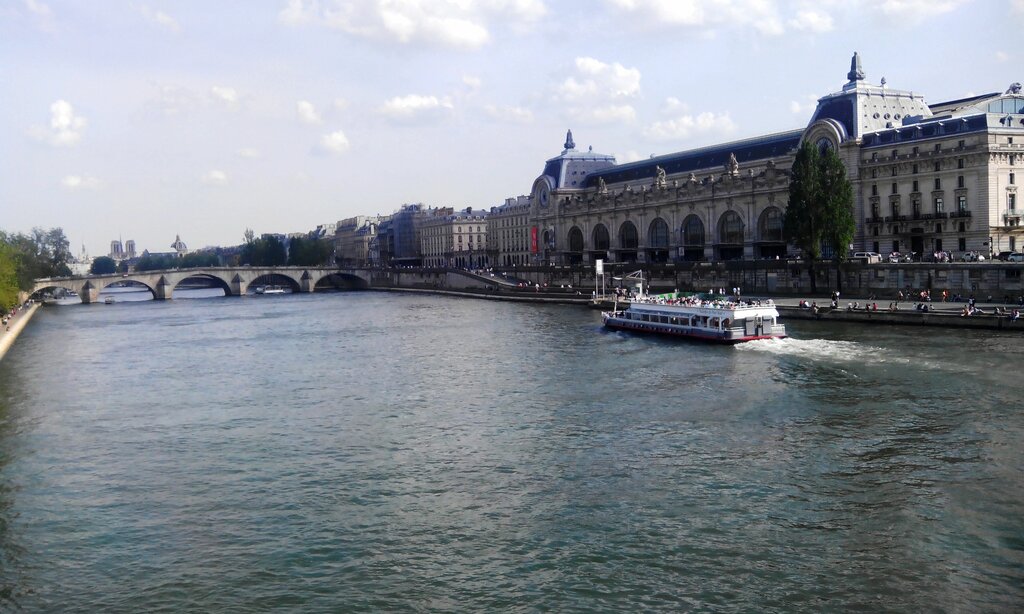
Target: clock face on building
824, 144
542, 195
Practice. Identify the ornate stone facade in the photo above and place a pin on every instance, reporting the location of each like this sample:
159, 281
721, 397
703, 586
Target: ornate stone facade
926, 178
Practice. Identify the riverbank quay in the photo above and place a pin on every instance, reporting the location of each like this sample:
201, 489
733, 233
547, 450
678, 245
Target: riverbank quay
9, 334
506, 295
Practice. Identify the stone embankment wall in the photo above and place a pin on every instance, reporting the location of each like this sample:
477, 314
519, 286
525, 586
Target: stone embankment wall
793, 278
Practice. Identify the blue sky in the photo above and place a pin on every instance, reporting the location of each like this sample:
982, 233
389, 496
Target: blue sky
146, 119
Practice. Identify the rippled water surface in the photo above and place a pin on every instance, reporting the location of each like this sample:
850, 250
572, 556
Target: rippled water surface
391, 452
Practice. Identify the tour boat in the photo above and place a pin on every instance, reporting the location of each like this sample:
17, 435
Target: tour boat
274, 290
109, 300
707, 319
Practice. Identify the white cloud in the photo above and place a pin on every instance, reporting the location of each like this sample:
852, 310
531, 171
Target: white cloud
629, 156
914, 10
674, 105
472, 83
1017, 6
248, 152
175, 100
42, 14
512, 115
605, 114
761, 15
80, 182
595, 79
1002, 56
65, 127
340, 104
462, 24
812, 21
334, 142
688, 125
215, 177
806, 105
415, 106
299, 12
307, 112
224, 94
160, 18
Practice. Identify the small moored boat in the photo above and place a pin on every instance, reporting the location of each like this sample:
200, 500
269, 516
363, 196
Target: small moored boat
109, 300
707, 319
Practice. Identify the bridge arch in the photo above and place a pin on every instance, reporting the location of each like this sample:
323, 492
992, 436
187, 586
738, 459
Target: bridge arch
217, 280
340, 281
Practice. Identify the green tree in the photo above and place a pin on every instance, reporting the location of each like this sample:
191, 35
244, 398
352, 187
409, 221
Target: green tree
43, 253
103, 265
199, 259
820, 209
309, 252
8, 276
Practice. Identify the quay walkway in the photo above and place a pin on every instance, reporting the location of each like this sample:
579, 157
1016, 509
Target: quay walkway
9, 333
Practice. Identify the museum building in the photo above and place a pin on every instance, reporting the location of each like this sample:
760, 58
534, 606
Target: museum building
926, 178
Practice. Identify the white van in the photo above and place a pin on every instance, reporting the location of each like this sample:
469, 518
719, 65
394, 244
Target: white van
868, 257
1015, 257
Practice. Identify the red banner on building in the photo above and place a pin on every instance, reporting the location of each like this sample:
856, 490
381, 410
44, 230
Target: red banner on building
533, 239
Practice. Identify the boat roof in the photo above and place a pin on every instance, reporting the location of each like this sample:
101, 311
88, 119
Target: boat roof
731, 310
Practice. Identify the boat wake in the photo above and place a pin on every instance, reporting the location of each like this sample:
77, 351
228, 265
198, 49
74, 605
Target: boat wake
825, 349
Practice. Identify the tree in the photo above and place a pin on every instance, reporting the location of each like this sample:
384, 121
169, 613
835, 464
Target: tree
8, 276
309, 252
103, 265
44, 253
820, 209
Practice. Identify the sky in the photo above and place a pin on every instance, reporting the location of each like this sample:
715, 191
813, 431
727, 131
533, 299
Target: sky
147, 119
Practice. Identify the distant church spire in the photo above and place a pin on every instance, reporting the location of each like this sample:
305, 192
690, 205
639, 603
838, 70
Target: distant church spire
569, 144
856, 72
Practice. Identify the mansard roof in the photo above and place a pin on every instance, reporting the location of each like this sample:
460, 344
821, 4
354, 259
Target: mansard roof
715, 157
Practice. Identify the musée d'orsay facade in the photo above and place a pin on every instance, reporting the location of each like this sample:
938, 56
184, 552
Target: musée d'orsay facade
926, 178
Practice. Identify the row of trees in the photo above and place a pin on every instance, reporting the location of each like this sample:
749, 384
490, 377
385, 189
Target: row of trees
820, 210
270, 251
26, 257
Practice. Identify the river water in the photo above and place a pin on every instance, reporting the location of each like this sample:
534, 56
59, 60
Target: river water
395, 452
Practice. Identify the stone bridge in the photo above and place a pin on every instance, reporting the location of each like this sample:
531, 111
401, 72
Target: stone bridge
235, 281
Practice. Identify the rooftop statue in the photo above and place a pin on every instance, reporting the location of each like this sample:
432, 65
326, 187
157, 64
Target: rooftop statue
659, 177
856, 72
569, 144
732, 167
1014, 88
602, 187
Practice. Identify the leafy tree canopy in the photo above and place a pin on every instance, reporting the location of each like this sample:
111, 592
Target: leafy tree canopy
103, 265
820, 209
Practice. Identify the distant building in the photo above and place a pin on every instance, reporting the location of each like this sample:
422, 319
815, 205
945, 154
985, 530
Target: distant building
405, 235
926, 178
352, 238
508, 232
129, 249
116, 250
179, 247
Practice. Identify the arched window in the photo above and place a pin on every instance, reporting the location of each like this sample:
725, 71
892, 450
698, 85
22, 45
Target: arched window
628, 238
693, 231
575, 239
770, 224
657, 235
730, 228
601, 240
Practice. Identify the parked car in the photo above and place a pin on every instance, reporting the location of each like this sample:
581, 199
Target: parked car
868, 257
1004, 256
972, 257
1015, 257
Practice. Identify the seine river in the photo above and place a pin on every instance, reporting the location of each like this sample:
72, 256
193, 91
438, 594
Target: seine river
378, 452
